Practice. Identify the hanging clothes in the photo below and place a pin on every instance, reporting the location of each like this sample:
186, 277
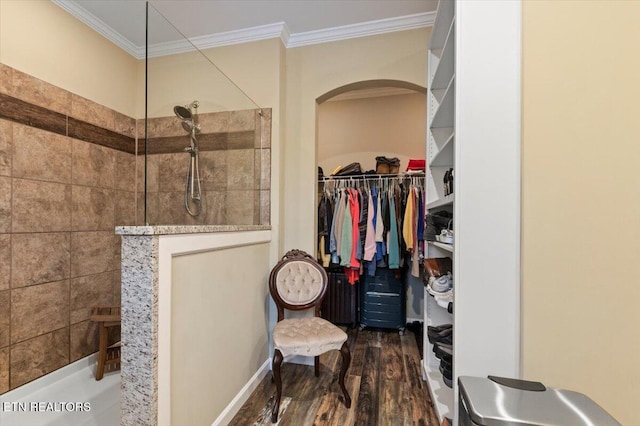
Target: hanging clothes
363, 227
325, 216
353, 270
394, 247
407, 226
333, 236
346, 237
370, 238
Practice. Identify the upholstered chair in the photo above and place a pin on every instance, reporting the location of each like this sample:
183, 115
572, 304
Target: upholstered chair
299, 283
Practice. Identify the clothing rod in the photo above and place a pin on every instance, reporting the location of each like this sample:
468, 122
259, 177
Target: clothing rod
371, 176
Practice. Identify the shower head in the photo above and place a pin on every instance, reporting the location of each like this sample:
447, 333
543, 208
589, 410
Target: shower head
183, 113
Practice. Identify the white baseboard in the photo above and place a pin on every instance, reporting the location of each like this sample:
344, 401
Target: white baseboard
238, 401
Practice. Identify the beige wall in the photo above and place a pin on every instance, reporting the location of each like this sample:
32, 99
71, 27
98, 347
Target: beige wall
581, 200
41, 39
359, 130
313, 71
219, 329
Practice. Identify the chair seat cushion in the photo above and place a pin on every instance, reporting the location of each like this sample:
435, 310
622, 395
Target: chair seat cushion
310, 336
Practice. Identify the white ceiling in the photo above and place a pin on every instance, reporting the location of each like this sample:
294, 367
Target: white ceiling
219, 22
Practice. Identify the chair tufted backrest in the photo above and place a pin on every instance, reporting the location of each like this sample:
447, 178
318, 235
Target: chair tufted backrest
297, 282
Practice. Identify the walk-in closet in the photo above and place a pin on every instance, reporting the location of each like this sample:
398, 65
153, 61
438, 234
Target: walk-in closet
370, 155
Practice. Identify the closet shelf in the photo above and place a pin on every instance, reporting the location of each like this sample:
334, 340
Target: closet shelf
444, 201
444, 17
443, 246
444, 157
445, 67
441, 395
443, 117
438, 314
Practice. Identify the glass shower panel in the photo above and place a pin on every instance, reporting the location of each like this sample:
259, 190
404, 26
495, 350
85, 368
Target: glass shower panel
203, 160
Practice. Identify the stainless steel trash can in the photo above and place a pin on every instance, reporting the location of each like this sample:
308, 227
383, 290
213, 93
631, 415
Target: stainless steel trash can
497, 401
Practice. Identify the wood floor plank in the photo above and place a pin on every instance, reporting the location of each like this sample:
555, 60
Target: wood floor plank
374, 338
368, 397
300, 412
327, 409
330, 362
391, 359
299, 382
357, 354
409, 345
422, 412
395, 407
414, 372
344, 416
255, 405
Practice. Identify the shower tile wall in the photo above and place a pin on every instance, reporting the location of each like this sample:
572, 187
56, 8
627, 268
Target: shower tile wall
235, 169
60, 199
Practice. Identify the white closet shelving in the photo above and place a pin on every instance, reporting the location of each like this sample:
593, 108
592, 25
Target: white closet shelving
473, 109
440, 157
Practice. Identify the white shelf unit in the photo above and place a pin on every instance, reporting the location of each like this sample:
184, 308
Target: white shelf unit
473, 111
444, 156
441, 395
443, 246
444, 201
443, 115
440, 157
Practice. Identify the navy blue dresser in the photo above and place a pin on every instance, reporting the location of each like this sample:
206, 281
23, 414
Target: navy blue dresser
383, 300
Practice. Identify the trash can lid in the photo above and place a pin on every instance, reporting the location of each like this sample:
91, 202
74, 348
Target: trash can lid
491, 404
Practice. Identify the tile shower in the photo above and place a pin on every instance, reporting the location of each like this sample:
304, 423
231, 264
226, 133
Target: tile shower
68, 175
235, 157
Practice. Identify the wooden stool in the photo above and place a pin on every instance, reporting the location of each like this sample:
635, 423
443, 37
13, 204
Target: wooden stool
106, 317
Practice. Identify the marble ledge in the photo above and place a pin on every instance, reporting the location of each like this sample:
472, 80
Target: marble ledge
186, 229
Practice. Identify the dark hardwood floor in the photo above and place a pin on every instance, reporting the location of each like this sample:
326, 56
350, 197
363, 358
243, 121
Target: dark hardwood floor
384, 381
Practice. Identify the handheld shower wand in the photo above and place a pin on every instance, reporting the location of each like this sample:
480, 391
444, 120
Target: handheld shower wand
193, 192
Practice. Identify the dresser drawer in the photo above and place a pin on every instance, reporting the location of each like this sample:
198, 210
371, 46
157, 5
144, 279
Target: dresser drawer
384, 281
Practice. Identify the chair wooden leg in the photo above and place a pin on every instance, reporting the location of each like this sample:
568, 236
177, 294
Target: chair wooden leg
316, 365
102, 351
346, 361
275, 370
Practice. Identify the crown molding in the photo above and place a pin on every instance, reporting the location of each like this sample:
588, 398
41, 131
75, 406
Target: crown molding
101, 27
381, 26
263, 32
281, 30
246, 35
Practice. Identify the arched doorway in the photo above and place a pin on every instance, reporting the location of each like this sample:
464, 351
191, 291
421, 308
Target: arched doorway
360, 121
